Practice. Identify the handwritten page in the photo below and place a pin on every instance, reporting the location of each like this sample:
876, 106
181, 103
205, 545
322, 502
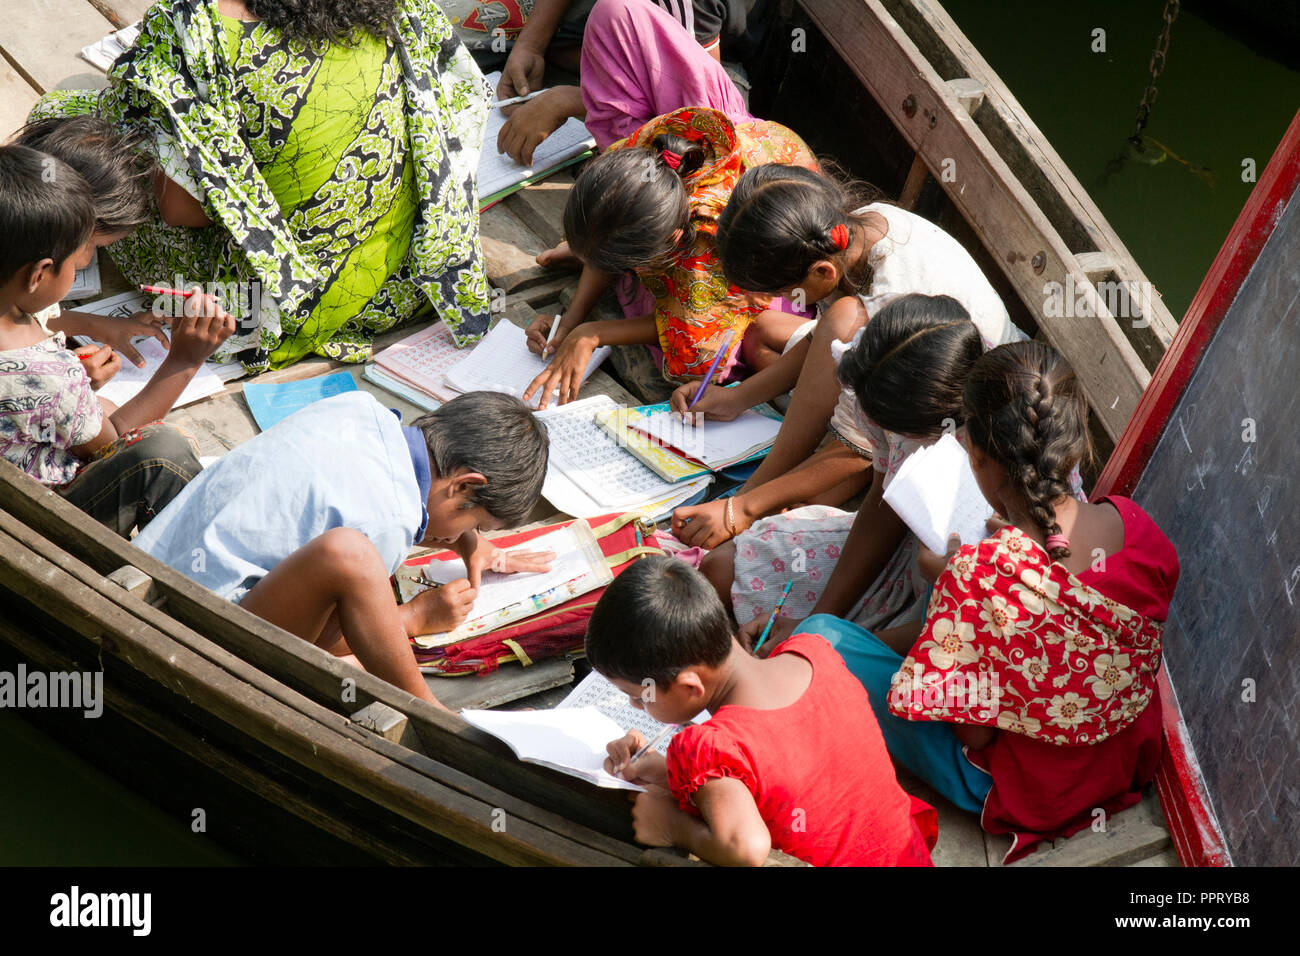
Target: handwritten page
497, 171
570, 498
103, 52
935, 493
571, 741
501, 362
271, 404
596, 691
715, 443
578, 569
423, 360
594, 459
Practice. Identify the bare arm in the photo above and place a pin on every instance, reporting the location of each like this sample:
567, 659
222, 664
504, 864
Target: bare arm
876, 533
176, 206
815, 393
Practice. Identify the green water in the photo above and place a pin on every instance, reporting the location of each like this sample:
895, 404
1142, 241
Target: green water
1218, 104
58, 810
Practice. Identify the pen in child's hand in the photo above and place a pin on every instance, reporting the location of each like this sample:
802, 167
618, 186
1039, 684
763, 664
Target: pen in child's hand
723, 347
669, 728
517, 99
547, 349
775, 611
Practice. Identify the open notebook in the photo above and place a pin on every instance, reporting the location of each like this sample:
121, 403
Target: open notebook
501, 362
130, 380
572, 737
579, 568
423, 360
936, 495
499, 175
595, 461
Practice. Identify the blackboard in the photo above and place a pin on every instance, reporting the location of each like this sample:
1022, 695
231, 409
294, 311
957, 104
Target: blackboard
1222, 484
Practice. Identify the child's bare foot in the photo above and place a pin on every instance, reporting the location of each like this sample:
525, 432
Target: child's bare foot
559, 258
438, 609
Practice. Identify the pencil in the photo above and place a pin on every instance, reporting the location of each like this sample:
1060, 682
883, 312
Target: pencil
669, 728
517, 99
775, 611
163, 290
723, 347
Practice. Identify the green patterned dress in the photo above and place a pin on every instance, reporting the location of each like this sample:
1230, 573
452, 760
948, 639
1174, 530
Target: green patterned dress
340, 178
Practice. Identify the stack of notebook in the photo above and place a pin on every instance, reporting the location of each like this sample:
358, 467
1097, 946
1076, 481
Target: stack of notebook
677, 450
427, 369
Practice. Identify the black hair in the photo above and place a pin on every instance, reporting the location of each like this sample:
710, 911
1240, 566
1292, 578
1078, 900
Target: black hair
498, 437
626, 207
336, 20
910, 365
778, 223
116, 166
659, 617
1025, 408
46, 210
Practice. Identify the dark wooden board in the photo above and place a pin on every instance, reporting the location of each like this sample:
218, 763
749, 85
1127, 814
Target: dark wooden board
1231, 506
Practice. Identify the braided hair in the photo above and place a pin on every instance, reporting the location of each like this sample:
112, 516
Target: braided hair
627, 206
908, 368
1026, 409
780, 220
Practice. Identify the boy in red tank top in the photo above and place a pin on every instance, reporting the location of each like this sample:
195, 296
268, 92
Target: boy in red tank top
791, 757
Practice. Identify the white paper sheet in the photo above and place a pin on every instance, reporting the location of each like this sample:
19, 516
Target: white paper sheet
501, 362
713, 442
936, 494
597, 691
571, 741
497, 171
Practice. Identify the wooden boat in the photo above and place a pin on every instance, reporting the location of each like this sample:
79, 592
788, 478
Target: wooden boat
296, 757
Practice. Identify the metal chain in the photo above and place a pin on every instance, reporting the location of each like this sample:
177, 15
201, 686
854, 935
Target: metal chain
1156, 67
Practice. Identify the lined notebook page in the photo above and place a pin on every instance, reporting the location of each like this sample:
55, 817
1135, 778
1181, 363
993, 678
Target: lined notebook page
501, 362
497, 171
712, 442
423, 360
594, 460
936, 494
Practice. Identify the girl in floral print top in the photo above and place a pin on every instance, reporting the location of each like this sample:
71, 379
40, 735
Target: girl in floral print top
1059, 613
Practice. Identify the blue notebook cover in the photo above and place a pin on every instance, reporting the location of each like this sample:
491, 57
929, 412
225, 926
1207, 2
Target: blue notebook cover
274, 403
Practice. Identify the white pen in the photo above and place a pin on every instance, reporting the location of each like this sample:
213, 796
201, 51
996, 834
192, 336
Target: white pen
517, 99
546, 349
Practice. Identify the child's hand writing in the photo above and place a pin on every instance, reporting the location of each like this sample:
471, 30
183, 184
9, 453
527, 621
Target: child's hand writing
438, 609
100, 362
750, 632
537, 332
199, 332
565, 371
931, 565
119, 332
717, 403
650, 769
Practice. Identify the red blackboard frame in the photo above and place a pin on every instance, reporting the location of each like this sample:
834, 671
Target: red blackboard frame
1192, 825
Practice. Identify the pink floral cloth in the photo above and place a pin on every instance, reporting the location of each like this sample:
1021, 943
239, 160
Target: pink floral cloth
46, 408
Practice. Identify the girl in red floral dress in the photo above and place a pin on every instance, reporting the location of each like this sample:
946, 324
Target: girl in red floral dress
1030, 695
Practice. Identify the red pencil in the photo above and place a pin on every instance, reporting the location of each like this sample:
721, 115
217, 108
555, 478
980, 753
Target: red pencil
163, 290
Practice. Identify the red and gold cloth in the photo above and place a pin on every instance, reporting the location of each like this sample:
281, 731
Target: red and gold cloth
695, 306
1014, 641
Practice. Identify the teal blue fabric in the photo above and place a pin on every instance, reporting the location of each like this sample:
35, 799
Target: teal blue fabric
929, 749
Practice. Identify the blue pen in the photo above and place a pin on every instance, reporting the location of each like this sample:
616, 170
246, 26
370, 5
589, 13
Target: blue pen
775, 611
717, 359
